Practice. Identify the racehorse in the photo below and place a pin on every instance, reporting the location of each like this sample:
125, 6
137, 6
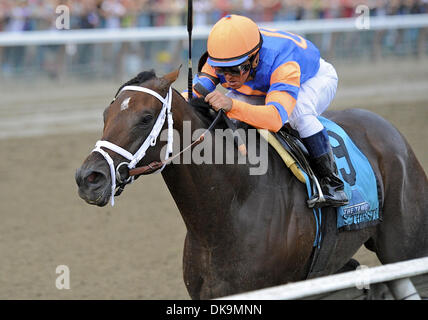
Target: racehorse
246, 232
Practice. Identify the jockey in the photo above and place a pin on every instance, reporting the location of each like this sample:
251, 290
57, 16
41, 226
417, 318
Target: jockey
274, 77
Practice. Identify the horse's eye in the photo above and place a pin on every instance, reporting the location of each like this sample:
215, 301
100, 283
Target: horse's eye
146, 120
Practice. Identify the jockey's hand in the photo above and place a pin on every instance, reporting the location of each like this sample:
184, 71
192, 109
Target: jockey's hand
218, 101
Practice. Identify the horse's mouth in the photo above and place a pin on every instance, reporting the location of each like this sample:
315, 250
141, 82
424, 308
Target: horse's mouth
99, 200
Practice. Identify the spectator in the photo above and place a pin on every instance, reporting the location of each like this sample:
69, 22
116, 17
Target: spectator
221, 8
202, 8
289, 9
269, 8
144, 13
378, 8
90, 17
112, 11
17, 17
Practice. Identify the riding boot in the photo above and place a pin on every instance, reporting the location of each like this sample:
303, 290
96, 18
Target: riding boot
325, 169
331, 185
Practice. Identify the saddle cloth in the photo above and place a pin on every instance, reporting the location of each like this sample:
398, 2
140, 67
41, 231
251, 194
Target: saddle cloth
360, 182
361, 185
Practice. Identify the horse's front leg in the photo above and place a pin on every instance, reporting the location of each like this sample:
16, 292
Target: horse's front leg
192, 258
204, 273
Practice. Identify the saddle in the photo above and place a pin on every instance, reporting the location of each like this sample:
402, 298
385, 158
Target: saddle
290, 147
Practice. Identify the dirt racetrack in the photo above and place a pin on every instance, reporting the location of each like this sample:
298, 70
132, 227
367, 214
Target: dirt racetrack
134, 250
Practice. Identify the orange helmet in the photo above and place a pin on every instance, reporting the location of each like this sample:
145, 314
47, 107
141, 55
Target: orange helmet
232, 40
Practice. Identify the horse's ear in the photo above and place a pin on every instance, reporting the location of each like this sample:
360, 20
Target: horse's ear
172, 76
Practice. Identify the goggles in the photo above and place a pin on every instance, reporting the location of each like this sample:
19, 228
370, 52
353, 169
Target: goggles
235, 70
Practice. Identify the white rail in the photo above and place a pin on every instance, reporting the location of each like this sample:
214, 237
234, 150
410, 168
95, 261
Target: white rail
364, 276
200, 32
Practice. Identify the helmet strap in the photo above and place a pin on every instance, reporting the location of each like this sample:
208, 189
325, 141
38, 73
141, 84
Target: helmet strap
254, 61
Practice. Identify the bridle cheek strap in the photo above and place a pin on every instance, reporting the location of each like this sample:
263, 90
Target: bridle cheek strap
150, 141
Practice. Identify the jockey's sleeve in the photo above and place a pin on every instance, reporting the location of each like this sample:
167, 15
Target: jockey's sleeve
261, 117
207, 78
280, 100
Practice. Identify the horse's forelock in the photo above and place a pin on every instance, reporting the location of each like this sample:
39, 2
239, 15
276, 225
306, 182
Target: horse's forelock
139, 79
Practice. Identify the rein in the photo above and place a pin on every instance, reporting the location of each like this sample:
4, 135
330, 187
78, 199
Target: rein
150, 141
157, 164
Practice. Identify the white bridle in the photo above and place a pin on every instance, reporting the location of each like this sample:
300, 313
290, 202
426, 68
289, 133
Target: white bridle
150, 140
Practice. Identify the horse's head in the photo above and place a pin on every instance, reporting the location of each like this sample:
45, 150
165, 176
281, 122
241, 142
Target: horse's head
132, 124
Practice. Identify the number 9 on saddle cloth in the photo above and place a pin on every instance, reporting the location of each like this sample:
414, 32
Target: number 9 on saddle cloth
360, 182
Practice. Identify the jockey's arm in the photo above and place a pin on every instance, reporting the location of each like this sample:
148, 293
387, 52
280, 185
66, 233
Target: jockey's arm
279, 103
206, 78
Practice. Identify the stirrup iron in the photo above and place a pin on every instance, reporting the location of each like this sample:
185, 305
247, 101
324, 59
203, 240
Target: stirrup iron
314, 200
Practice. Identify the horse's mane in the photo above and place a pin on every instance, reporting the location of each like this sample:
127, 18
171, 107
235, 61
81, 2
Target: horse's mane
199, 105
138, 80
203, 109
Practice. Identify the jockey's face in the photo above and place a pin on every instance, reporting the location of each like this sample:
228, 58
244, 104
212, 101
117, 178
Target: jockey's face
236, 76
236, 81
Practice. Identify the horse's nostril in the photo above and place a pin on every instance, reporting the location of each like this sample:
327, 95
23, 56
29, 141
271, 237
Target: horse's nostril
89, 178
94, 177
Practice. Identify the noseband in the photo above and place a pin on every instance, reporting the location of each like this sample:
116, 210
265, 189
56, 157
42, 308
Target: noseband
149, 142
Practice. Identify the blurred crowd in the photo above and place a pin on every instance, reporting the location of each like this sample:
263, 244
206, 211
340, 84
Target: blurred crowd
21, 15
120, 59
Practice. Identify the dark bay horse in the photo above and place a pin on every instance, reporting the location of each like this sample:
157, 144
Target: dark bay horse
246, 232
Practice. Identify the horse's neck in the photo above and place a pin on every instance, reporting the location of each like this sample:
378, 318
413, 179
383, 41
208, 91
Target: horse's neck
209, 196
200, 191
